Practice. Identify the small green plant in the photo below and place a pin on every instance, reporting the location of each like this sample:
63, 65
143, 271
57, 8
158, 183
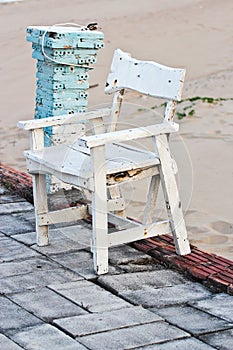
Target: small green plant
8, 185
180, 115
190, 113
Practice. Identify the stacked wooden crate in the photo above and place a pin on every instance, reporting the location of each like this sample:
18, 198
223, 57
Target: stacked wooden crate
64, 55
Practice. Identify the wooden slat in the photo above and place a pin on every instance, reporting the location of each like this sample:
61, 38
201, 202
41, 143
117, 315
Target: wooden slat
116, 203
170, 111
140, 232
75, 213
64, 119
63, 215
128, 134
132, 175
35, 167
67, 133
149, 78
98, 126
116, 108
120, 222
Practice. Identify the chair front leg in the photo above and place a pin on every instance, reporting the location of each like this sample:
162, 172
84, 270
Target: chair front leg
41, 207
99, 212
171, 195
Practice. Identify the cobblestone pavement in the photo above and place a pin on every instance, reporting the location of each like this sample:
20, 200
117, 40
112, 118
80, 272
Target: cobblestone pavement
51, 299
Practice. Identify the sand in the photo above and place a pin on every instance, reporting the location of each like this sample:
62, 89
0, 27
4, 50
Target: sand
193, 34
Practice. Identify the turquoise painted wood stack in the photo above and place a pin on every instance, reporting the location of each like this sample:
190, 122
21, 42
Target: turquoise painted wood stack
64, 55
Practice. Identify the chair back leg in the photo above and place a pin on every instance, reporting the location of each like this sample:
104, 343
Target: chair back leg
115, 193
171, 195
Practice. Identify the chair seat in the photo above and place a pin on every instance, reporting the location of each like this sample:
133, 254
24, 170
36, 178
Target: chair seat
69, 159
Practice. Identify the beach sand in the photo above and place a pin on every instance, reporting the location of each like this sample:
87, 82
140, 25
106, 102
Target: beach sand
193, 34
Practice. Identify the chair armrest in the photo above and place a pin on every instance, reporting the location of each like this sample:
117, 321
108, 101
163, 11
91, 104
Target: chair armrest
62, 119
128, 134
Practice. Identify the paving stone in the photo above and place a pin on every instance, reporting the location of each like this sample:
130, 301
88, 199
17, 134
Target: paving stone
27, 215
105, 321
3, 190
7, 344
66, 239
77, 237
132, 337
221, 340
183, 344
142, 280
82, 263
28, 238
14, 224
90, 296
11, 198
36, 279
47, 304
166, 296
220, 305
15, 207
80, 233
124, 254
46, 337
13, 317
192, 320
27, 266
11, 250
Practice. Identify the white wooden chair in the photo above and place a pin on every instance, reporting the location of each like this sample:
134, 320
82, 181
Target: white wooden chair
101, 161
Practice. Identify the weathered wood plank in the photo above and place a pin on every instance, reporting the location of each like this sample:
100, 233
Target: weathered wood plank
129, 134
147, 77
63, 215
115, 112
75, 213
98, 126
140, 232
63, 119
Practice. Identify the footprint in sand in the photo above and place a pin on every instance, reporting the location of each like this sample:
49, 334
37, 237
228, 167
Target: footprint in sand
222, 227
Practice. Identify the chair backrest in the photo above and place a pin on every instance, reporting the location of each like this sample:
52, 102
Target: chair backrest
146, 77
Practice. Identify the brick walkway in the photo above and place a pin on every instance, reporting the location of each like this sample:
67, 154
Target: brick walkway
50, 298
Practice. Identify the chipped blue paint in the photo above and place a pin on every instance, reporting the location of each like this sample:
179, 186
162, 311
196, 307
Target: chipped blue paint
63, 55
65, 78
61, 94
